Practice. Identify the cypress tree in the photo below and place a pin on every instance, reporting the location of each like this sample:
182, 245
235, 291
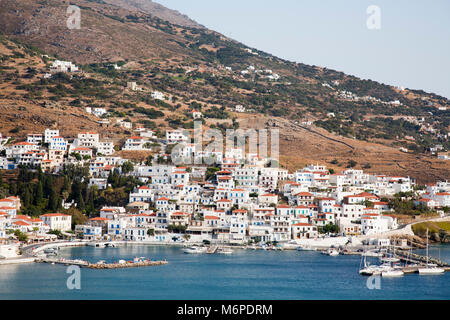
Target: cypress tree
53, 204
39, 194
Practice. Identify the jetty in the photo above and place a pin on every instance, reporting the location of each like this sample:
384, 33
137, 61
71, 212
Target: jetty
410, 257
120, 265
126, 265
66, 262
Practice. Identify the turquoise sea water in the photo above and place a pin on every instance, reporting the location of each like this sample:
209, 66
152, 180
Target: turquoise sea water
252, 275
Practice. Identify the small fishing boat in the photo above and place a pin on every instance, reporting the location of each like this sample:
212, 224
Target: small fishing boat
194, 250
331, 252
305, 248
224, 251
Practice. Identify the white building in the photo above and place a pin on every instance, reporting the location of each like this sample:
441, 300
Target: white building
49, 134
158, 95
63, 66
57, 221
175, 136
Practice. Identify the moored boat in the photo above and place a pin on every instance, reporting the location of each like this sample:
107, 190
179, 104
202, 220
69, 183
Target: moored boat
430, 269
332, 252
224, 251
193, 250
392, 273
305, 248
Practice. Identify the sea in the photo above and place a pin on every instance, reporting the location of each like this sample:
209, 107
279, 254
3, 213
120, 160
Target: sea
243, 275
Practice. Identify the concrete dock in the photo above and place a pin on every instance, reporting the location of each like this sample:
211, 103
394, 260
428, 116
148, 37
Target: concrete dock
85, 264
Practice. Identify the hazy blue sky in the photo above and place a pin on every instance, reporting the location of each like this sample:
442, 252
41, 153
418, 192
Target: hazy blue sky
412, 48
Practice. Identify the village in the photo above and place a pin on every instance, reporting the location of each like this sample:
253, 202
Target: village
243, 200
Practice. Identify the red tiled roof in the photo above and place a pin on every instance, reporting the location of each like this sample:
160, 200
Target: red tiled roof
98, 219
20, 223
55, 215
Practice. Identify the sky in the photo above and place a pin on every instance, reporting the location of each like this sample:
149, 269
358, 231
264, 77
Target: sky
410, 49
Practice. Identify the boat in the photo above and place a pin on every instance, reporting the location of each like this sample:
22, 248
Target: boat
224, 251
366, 269
193, 250
430, 269
372, 254
331, 252
305, 248
392, 273
51, 251
377, 269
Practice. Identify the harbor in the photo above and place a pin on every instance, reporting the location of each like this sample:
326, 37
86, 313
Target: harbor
392, 259
245, 274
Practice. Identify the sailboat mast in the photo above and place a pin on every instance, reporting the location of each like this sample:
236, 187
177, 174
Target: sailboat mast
427, 247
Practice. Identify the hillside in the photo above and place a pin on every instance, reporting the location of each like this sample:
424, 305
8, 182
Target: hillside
201, 69
157, 10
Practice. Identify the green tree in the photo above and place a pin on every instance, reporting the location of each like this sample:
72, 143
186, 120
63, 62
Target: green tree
352, 164
39, 194
54, 202
21, 236
127, 167
149, 161
77, 216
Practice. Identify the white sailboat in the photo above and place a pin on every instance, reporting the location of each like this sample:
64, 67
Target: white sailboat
366, 269
389, 263
430, 269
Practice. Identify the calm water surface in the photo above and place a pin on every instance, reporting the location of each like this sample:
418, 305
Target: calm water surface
243, 275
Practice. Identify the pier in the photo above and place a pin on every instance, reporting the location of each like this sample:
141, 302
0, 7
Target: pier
410, 257
66, 262
85, 264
